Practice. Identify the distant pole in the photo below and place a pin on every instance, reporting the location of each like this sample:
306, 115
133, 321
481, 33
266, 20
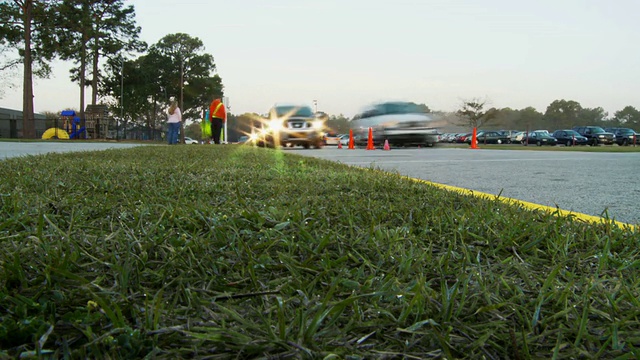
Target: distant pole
182, 99
225, 102
315, 106
121, 96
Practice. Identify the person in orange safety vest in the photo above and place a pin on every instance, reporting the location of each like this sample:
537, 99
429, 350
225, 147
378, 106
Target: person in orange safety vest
218, 116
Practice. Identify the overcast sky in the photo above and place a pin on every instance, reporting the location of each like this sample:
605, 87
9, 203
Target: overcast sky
350, 53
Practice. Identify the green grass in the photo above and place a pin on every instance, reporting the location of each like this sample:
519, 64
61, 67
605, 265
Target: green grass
226, 252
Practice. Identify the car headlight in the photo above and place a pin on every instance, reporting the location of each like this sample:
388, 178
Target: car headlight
601, 136
275, 124
318, 124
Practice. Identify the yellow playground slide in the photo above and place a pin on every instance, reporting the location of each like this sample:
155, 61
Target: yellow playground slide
55, 133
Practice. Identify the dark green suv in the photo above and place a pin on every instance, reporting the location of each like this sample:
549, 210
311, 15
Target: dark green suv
625, 136
595, 135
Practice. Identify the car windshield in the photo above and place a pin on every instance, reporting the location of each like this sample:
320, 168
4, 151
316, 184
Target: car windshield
539, 133
597, 130
573, 133
399, 108
625, 131
304, 111
391, 108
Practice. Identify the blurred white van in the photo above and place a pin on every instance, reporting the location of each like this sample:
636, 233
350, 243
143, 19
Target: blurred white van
400, 123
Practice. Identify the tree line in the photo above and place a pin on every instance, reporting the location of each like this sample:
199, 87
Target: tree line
136, 80
560, 114
101, 38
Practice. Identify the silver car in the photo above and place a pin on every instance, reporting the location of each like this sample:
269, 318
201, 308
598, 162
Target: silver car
399, 123
291, 125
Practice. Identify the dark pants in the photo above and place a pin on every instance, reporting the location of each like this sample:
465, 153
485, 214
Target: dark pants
216, 129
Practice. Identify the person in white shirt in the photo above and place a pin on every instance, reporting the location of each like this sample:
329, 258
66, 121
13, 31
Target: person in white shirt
173, 121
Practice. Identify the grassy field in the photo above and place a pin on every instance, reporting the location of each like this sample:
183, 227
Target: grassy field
227, 252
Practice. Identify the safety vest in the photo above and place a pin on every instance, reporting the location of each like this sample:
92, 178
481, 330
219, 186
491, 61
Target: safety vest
218, 111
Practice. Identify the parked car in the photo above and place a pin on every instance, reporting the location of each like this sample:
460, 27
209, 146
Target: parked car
624, 136
509, 133
490, 137
453, 137
188, 140
344, 139
291, 124
400, 123
462, 138
448, 137
517, 137
569, 137
539, 138
331, 138
595, 135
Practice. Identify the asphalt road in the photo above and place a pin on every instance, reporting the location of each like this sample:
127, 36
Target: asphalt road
9, 149
598, 184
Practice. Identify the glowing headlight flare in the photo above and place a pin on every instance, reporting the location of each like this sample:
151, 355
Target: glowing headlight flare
318, 124
275, 124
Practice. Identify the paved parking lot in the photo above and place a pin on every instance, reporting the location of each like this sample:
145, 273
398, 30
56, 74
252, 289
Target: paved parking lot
9, 149
597, 184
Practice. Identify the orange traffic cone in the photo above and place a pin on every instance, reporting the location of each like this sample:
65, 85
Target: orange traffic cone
370, 141
386, 144
351, 142
339, 145
474, 139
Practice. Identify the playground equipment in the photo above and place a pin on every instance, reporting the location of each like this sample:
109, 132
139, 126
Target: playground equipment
55, 133
72, 124
71, 128
97, 121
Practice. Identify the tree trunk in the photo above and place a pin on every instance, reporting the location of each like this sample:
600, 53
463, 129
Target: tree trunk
28, 121
94, 82
82, 74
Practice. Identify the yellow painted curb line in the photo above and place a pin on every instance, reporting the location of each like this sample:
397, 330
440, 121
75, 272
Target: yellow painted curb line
525, 204
531, 206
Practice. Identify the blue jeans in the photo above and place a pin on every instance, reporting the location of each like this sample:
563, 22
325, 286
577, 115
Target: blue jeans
172, 133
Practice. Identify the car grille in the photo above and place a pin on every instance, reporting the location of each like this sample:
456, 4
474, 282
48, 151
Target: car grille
298, 124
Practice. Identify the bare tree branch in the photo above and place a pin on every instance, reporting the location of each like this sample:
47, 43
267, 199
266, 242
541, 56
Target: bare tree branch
473, 114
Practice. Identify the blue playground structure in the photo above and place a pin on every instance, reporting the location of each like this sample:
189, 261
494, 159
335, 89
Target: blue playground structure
72, 126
